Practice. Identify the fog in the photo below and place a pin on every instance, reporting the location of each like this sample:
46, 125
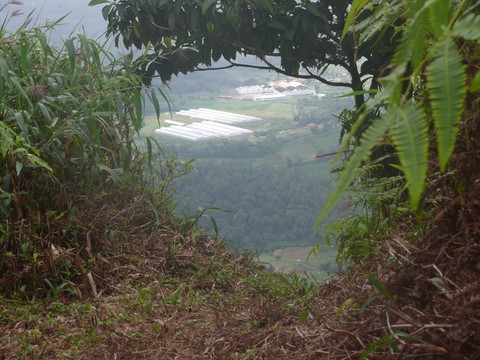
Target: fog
79, 16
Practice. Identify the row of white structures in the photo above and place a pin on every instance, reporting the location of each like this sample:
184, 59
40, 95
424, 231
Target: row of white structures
217, 116
202, 130
215, 124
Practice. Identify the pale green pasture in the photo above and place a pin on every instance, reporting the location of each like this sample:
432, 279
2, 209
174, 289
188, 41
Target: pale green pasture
319, 266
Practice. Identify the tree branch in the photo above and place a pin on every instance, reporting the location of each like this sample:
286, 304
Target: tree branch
328, 82
276, 69
212, 68
310, 76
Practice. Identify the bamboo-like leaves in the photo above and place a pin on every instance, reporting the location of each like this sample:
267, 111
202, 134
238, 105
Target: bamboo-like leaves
410, 136
446, 85
66, 111
71, 53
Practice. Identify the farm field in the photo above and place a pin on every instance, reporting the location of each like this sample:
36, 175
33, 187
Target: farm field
301, 261
279, 111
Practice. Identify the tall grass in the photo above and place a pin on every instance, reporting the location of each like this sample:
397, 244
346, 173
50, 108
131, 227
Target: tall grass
69, 118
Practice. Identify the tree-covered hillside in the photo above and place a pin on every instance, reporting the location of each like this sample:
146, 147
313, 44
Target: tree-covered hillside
268, 207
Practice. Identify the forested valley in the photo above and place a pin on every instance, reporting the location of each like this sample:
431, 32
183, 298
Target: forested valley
266, 208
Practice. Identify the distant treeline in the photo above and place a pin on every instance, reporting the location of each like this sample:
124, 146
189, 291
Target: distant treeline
228, 149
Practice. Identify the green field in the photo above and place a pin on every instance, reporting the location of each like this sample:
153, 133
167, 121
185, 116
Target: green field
301, 261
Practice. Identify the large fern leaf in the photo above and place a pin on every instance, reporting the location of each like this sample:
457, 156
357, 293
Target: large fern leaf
468, 27
446, 80
355, 8
439, 16
410, 136
413, 46
370, 138
381, 17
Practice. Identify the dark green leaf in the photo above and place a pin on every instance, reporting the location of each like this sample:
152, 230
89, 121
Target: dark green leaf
97, 2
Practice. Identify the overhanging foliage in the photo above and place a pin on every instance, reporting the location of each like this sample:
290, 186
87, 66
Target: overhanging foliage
437, 49
296, 38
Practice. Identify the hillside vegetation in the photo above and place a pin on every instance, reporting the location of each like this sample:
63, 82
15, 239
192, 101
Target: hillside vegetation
94, 263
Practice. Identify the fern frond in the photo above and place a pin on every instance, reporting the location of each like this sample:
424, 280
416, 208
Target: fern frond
413, 46
410, 136
382, 16
439, 16
355, 8
467, 28
446, 80
370, 138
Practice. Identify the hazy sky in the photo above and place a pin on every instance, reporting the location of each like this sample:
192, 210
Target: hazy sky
80, 15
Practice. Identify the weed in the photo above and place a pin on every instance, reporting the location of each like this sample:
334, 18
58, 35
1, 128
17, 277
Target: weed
247, 355
375, 208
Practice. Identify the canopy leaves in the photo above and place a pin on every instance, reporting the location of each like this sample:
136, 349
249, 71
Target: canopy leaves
295, 38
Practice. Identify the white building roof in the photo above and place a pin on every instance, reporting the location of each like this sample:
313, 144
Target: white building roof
202, 130
217, 116
215, 124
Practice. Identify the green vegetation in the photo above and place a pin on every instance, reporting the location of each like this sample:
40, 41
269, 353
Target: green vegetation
270, 188
93, 261
69, 163
423, 95
424, 64
270, 183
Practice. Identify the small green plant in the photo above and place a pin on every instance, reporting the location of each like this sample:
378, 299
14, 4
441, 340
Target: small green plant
387, 341
190, 221
375, 205
381, 292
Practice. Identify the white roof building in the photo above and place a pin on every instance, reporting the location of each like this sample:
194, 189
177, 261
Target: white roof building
215, 124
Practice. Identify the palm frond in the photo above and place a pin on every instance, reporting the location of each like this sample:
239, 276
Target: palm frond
468, 28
